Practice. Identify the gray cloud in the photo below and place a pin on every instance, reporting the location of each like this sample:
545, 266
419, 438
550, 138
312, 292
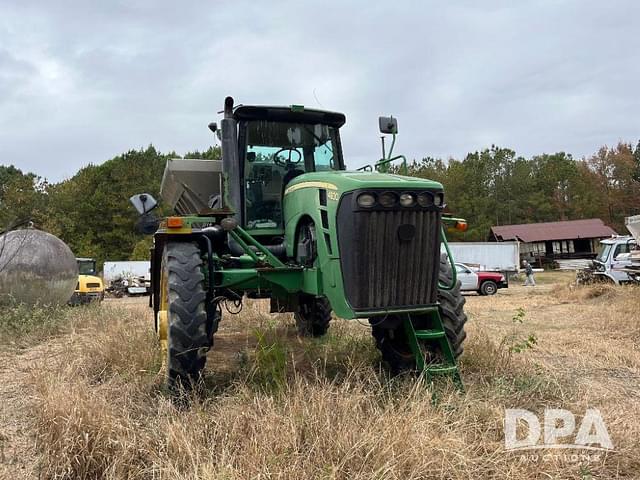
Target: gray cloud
83, 81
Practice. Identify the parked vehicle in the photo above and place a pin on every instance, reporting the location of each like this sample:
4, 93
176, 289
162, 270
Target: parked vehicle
129, 277
90, 287
485, 283
129, 286
617, 262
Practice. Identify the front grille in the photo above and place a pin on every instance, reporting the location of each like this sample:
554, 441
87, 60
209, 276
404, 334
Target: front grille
93, 285
380, 270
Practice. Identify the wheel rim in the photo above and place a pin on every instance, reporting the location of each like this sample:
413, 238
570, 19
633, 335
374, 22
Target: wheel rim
490, 289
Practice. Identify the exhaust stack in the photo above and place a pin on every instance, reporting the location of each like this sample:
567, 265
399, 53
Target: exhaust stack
231, 161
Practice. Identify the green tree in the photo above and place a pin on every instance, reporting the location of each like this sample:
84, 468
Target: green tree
142, 248
23, 196
554, 177
212, 153
614, 170
91, 210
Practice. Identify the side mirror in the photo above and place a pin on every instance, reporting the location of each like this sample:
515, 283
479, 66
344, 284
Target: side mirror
388, 125
143, 203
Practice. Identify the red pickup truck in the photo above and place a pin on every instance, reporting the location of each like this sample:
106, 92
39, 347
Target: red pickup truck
485, 283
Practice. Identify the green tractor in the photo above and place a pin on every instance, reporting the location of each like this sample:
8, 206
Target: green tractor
289, 223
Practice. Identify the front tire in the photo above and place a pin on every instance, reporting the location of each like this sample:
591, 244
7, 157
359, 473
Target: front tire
390, 336
184, 298
312, 320
314, 313
488, 287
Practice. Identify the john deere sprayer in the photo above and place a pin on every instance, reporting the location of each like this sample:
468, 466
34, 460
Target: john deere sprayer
279, 217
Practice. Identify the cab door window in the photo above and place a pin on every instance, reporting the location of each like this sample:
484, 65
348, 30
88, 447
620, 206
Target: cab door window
276, 153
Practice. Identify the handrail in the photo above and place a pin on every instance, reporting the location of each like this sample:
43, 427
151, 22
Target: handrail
386, 161
383, 162
243, 238
454, 273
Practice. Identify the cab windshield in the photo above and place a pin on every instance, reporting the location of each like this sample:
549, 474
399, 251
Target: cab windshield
604, 252
86, 267
276, 153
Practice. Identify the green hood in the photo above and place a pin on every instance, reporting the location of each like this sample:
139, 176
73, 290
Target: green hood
346, 180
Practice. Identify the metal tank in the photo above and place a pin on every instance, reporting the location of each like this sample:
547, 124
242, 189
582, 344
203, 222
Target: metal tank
36, 267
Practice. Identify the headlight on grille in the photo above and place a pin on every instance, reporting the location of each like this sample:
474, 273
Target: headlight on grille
425, 200
387, 199
407, 200
366, 200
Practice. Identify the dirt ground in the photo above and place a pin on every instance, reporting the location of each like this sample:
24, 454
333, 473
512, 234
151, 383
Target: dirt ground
589, 338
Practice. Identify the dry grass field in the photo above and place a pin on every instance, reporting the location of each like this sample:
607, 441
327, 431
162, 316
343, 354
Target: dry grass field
85, 400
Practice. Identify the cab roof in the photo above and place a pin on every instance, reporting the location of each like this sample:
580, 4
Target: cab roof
293, 114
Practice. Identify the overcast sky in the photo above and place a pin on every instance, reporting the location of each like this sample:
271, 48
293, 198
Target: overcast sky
81, 82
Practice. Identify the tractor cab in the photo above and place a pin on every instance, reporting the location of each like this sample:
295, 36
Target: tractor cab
86, 266
263, 149
274, 145
275, 152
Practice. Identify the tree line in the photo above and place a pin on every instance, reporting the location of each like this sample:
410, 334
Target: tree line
91, 212
497, 187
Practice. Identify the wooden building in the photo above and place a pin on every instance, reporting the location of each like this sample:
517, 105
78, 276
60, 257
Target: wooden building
547, 242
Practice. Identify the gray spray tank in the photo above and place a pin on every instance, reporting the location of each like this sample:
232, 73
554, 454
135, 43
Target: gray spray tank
36, 267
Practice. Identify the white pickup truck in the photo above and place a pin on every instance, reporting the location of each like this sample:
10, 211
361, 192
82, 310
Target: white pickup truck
619, 257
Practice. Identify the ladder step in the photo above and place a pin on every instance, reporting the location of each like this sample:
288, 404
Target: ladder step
429, 334
441, 369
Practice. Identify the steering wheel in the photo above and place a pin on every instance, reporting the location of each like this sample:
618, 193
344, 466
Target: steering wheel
278, 161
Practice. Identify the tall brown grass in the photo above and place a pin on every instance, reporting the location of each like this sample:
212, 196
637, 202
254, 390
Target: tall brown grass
23, 325
301, 409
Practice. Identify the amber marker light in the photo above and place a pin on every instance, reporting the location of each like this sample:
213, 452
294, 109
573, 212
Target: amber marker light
175, 222
461, 226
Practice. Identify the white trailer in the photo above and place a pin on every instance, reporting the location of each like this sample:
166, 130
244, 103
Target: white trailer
487, 256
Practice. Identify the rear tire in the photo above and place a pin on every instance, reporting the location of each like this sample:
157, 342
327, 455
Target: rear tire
390, 336
312, 320
188, 332
488, 287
